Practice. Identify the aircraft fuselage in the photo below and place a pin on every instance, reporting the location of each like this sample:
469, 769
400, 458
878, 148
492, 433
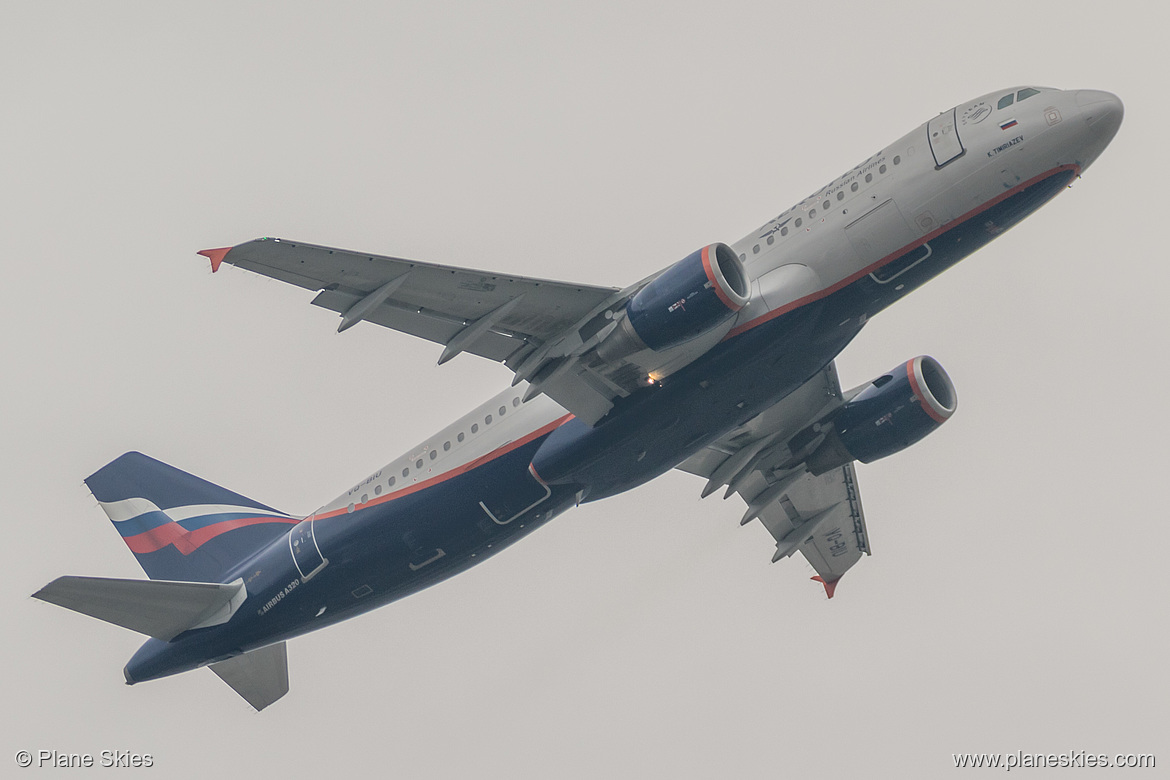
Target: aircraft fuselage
819, 271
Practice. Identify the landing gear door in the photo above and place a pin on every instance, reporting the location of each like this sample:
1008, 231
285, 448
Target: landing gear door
943, 134
302, 540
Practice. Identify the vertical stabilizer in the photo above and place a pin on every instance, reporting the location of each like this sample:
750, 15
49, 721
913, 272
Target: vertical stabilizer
178, 526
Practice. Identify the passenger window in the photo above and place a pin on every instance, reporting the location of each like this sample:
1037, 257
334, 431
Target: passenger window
1024, 94
868, 178
840, 194
459, 437
1006, 101
799, 221
853, 187
503, 410
377, 490
434, 454
882, 169
446, 446
418, 463
825, 205
784, 231
516, 401
475, 427
487, 420
812, 213
406, 471
391, 482
771, 240
756, 249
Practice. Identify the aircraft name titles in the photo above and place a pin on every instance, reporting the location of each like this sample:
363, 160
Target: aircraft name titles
1005, 147
810, 202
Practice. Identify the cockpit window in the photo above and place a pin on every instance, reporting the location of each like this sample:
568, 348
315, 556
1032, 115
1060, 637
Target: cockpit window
1006, 101
1024, 94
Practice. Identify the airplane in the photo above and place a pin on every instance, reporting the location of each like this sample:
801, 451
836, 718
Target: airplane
720, 365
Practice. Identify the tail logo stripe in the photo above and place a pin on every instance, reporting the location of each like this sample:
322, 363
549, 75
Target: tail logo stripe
188, 542
146, 528
130, 508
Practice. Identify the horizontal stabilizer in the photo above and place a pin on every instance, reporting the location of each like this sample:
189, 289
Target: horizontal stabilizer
158, 608
260, 676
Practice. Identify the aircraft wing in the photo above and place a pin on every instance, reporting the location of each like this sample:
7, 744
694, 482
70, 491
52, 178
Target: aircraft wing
500, 317
763, 462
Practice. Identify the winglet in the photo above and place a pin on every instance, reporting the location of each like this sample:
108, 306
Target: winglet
215, 256
830, 585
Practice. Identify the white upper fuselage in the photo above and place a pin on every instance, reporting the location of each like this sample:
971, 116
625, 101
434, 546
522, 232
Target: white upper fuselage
811, 239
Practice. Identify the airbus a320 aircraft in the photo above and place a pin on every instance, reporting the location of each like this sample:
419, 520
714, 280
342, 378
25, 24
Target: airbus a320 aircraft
720, 365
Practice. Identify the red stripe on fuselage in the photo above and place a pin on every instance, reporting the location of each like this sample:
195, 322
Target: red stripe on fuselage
496, 453
848, 280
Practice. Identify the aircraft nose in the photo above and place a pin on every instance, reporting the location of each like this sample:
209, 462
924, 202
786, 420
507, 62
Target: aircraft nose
1101, 113
1102, 109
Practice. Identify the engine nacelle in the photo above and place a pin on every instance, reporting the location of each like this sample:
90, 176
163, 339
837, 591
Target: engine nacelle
695, 295
891, 413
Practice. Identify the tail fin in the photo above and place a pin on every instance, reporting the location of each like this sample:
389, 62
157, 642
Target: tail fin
178, 526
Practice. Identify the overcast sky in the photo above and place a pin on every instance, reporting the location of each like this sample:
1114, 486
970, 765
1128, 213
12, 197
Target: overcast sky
1016, 597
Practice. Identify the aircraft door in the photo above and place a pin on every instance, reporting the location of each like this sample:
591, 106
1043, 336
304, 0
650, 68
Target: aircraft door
505, 503
307, 557
943, 134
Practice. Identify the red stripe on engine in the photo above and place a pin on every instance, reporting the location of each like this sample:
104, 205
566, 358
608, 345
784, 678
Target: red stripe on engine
706, 255
923, 401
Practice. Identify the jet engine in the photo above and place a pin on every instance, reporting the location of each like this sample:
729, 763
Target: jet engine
694, 296
888, 415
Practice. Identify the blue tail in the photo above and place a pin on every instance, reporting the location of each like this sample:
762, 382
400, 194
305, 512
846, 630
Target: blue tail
181, 527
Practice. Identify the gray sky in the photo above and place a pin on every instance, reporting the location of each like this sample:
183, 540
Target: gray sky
1016, 596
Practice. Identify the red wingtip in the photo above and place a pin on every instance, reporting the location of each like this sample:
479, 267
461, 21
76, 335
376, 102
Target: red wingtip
215, 256
830, 586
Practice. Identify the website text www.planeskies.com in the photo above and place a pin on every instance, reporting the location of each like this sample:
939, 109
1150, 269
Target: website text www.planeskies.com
1072, 759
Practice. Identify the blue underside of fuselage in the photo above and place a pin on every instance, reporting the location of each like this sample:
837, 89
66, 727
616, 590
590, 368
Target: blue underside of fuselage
386, 551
